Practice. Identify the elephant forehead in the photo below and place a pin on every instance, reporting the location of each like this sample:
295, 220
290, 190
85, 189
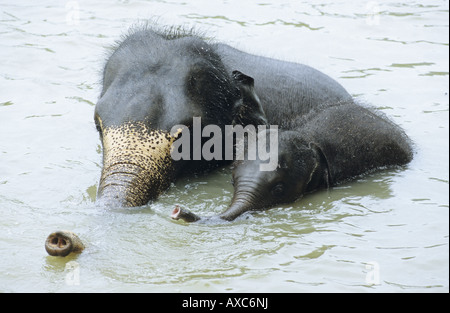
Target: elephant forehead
135, 136
136, 143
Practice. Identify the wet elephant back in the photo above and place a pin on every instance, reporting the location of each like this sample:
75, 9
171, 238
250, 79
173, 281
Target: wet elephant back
284, 88
356, 139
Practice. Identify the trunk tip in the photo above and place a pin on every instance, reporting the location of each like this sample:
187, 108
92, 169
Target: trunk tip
176, 213
179, 213
62, 243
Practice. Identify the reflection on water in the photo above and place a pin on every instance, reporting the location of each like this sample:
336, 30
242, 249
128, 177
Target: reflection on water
383, 232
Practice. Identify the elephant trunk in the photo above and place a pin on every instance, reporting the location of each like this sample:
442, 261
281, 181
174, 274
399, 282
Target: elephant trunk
137, 165
244, 200
130, 185
63, 242
241, 203
182, 214
238, 206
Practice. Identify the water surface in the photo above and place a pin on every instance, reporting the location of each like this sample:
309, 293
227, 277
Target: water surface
386, 232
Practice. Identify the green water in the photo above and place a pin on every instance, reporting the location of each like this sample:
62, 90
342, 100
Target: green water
386, 232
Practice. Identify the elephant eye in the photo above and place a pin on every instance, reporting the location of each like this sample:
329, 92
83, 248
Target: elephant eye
278, 190
97, 123
99, 129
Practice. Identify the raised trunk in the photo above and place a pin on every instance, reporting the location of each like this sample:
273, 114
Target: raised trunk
137, 165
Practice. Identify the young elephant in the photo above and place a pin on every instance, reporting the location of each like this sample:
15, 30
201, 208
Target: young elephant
330, 145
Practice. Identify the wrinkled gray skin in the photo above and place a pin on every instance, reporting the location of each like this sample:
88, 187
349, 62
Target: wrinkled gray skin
330, 145
62, 243
284, 89
157, 79
153, 81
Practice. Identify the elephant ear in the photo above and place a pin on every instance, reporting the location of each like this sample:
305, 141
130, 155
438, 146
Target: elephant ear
243, 79
324, 165
247, 111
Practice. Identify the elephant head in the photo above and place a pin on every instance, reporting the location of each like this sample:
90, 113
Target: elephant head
330, 145
300, 165
301, 168
151, 82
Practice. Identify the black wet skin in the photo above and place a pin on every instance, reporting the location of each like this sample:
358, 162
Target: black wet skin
333, 143
155, 79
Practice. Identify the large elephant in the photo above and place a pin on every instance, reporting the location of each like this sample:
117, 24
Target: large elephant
331, 144
157, 79
152, 81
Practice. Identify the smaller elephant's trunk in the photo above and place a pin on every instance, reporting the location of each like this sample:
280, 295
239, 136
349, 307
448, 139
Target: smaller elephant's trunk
244, 199
237, 208
185, 215
62, 243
